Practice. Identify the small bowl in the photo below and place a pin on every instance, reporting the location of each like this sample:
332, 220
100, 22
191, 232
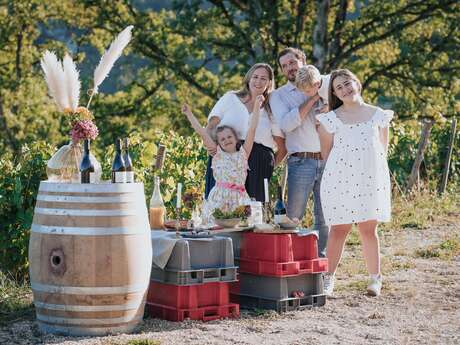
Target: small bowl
228, 223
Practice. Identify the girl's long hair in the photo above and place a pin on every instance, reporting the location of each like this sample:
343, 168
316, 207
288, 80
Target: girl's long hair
334, 101
244, 91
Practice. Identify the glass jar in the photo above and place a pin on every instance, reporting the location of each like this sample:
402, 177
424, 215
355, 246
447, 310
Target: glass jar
64, 165
256, 213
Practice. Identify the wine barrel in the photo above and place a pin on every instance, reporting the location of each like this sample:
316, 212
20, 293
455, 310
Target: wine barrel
90, 257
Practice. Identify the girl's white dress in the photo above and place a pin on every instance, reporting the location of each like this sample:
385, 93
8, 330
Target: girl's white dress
355, 186
230, 171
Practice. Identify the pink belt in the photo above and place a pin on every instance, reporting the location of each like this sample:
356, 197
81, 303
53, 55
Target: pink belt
232, 186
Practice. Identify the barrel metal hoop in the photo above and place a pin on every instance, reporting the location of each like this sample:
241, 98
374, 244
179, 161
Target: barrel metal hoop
92, 290
83, 231
87, 199
80, 322
133, 305
46, 186
86, 213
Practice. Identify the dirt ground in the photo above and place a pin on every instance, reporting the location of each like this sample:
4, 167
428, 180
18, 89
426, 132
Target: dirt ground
420, 304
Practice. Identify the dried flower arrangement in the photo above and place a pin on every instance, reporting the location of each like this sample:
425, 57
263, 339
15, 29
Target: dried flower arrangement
64, 85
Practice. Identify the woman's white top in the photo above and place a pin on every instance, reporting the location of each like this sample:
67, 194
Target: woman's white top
233, 113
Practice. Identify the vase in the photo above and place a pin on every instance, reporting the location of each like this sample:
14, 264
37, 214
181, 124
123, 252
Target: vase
64, 165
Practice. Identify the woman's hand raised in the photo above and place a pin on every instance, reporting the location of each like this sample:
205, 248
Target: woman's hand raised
259, 101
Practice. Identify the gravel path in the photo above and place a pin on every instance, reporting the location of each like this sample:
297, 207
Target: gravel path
420, 304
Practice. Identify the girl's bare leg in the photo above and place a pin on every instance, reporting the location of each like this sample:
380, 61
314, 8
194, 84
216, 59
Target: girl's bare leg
335, 244
371, 245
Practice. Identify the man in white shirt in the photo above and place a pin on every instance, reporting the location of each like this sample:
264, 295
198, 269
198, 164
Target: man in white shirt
295, 113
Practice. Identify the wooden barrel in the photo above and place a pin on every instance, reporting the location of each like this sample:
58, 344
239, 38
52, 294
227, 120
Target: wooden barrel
90, 257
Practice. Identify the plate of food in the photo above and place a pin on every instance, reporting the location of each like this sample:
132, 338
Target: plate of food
231, 219
171, 224
228, 222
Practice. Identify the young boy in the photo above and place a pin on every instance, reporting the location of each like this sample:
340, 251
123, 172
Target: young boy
311, 82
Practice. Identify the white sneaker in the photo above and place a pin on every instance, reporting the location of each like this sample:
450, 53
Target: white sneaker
375, 285
328, 280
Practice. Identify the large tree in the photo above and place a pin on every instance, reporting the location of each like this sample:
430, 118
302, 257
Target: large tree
406, 53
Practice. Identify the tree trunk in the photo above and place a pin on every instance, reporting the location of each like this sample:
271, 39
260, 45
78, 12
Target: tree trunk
445, 174
336, 43
320, 45
420, 152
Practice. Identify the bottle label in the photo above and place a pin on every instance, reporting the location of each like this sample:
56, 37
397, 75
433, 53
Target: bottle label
92, 177
130, 177
120, 177
281, 218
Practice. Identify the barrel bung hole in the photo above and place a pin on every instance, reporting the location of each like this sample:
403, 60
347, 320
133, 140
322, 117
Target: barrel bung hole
55, 260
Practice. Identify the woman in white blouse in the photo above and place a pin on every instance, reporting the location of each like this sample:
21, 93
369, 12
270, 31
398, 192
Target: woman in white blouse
234, 109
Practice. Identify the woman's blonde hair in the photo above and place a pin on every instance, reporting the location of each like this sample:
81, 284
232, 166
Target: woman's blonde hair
334, 101
244, 91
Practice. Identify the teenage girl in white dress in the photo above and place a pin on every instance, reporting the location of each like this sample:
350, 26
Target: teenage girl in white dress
355, 187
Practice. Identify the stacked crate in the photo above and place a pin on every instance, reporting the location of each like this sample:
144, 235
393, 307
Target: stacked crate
279, 271
195, 282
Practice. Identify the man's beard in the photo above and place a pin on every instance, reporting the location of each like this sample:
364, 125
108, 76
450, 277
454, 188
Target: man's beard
292, 78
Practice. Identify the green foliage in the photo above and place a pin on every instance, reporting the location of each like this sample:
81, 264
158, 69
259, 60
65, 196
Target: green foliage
404, 140
142, 342
15, 301
185, 162
241, 212
446, 250
18, 191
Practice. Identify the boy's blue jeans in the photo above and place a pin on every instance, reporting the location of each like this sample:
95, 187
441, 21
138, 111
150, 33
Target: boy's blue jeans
304, 177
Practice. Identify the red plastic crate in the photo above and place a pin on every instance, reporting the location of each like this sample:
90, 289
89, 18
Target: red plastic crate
279, 247
234, 288
204, 313
188, 297
283, 269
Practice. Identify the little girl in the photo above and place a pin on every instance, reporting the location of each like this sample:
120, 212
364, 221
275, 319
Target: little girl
355, 187
229, 165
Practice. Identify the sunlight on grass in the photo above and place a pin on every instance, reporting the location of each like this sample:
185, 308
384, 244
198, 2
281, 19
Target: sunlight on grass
446, 250
421, 209
15, 301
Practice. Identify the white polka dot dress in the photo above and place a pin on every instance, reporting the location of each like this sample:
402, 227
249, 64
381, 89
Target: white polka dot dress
355, 186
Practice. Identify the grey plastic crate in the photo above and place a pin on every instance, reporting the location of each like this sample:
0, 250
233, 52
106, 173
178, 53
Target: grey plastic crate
280, 288
280, 305
193, 277
236, 237
194, 254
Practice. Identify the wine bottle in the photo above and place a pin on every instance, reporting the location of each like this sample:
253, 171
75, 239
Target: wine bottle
157, 209
280, 208
86, 166
160, 157
118, 166
128, 162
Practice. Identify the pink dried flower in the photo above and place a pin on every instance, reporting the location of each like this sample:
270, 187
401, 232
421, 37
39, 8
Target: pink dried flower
84, 129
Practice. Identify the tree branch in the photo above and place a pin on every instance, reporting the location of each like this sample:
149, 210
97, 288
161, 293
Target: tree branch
335, 48
427, 13
236, 28
148, 93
